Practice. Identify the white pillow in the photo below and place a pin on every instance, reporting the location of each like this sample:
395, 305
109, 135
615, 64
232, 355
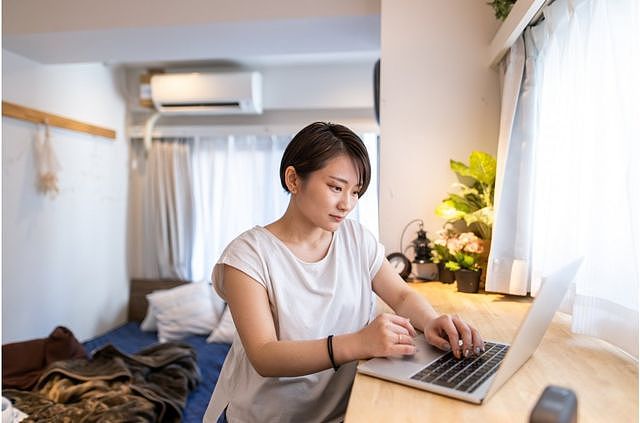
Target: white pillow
149, 324
225, 330
192, 308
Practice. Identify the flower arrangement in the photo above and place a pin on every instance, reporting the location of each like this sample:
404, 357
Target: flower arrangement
439, 251
464, 251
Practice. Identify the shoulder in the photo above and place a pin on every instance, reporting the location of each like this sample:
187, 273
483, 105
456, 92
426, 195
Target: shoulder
255, 233
248, 252
254, 239
355, 231
354, 236
360, 241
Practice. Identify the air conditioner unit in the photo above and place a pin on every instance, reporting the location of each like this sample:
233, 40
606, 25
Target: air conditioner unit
207, 93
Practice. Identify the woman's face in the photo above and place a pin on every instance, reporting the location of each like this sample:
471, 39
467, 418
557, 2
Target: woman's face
327, 196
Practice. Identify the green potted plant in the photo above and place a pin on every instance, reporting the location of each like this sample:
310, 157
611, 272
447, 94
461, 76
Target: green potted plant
501, 8
440, 253
471, 207
465, 250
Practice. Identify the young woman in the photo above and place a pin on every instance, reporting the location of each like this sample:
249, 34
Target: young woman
301, 293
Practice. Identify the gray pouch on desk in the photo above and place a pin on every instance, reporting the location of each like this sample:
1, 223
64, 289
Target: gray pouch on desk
555, 405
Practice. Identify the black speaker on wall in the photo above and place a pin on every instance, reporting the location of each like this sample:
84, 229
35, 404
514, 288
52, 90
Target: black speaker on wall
376, 90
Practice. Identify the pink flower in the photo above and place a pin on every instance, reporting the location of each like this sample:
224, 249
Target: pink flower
454, 245
467, 238
474, 247
464, 249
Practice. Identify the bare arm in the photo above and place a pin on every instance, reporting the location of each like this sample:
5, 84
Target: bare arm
402, 299
442, 331
249, 307
271, 357
387, 335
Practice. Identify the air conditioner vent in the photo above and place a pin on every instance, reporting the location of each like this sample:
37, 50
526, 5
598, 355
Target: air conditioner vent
227, 104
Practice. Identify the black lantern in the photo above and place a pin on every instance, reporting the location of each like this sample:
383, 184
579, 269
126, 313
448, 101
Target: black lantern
422, 268
421, 247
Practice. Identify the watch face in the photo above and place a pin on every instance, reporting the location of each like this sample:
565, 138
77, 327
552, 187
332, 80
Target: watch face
400, 264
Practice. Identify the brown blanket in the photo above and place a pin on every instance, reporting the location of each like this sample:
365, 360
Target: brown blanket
24, 362
151, 385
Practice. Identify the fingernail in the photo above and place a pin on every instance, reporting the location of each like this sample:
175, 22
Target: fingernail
466, 353
477, 350
446, 347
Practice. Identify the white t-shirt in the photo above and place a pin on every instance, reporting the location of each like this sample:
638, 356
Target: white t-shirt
308, 301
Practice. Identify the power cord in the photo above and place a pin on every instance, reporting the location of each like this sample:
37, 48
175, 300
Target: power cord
405, 229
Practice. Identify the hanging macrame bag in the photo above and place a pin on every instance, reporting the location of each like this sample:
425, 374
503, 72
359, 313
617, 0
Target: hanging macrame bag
46, 162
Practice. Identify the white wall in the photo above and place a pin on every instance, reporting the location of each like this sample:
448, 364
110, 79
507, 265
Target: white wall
64, 258
439, 100
319, 86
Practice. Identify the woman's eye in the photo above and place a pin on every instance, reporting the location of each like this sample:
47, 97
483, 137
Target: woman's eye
335, 188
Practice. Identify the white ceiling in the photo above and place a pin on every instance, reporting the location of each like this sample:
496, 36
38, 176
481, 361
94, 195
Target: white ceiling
192, 32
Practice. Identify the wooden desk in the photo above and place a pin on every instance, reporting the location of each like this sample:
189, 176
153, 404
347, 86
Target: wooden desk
604, 379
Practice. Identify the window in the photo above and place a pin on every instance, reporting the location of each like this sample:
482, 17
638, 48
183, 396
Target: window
237, 186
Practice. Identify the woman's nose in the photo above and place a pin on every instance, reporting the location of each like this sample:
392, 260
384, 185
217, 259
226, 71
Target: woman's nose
346, 202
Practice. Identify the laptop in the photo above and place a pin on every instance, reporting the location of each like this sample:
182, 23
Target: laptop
475, 379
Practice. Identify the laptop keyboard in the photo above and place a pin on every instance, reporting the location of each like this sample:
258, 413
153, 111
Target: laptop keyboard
463, 374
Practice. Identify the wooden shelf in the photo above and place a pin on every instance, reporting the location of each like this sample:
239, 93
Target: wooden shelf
32, 115
520, 16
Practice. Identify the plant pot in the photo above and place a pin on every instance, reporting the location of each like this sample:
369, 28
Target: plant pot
445, 275
426, 271
468, 280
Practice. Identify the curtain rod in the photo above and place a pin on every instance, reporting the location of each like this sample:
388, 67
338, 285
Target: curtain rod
523, 13
137, 131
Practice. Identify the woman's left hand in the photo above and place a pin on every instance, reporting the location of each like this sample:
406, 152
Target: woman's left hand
452, 333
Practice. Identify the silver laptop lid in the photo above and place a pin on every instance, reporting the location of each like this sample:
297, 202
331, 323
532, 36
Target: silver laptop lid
535, 324
528, 337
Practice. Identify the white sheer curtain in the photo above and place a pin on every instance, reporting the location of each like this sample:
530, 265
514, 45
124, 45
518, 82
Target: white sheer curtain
510, 255
583, 139
191, 196
237, 186
161, 206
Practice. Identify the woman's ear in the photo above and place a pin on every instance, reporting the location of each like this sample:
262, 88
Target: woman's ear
291, 179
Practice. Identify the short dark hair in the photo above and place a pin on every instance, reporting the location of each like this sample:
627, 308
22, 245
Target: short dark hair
314, 145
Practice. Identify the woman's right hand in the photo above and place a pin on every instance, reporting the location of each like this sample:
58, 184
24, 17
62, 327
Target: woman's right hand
388, 335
